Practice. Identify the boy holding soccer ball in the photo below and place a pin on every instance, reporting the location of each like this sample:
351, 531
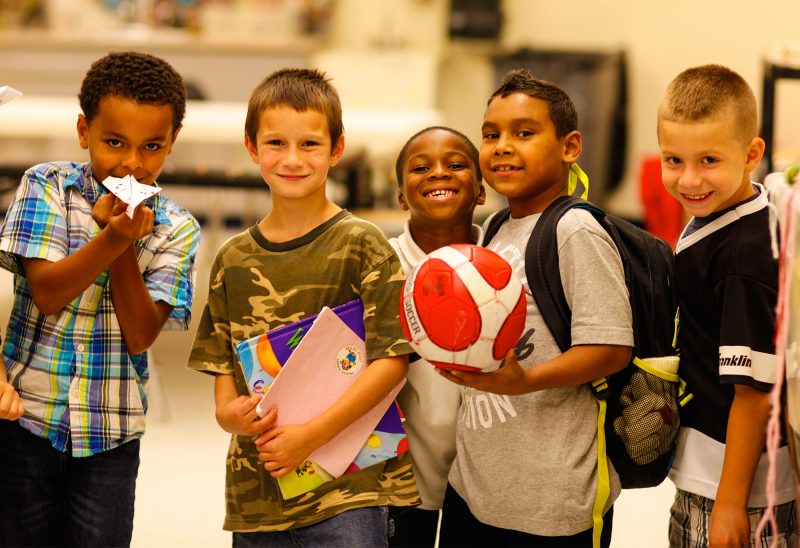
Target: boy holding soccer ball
525, 471
439, 184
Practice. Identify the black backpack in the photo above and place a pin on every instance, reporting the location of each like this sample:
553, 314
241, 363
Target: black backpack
639, 405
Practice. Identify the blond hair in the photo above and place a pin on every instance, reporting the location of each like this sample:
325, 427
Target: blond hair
700, 93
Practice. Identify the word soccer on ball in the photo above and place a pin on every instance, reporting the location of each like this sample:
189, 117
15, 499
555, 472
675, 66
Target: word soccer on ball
463, 308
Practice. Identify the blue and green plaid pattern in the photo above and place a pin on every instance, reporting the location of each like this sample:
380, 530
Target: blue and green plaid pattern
80, 387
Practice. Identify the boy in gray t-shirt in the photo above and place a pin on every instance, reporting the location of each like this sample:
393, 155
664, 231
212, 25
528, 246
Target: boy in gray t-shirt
526, 449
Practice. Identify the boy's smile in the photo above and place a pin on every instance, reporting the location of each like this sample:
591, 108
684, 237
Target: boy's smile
521, 156
705, 165
294, 152
128, 138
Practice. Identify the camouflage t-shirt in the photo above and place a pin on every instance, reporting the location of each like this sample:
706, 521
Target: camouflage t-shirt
257, 285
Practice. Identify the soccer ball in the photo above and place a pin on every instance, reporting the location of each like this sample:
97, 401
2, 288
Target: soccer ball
463, 308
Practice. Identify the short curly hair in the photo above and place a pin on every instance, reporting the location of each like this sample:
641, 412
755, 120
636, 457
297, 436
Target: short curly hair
560, 106
141, 77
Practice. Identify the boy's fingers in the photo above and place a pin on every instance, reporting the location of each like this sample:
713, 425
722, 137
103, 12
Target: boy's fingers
119, 207
449, 375
265, 438
16, 411
11, 406
280, 471
267, 421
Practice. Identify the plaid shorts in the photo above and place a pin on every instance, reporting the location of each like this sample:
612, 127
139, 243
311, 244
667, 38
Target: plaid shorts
690, 522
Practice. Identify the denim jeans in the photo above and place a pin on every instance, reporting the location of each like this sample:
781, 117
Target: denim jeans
357, 528
50, 498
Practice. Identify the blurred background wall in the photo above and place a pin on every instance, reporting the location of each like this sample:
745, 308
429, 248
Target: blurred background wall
399, 65
403, 64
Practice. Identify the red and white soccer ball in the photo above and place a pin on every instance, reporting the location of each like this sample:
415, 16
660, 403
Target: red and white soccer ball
463, 308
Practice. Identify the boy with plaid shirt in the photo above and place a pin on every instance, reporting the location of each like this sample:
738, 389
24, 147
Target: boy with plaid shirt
93, 288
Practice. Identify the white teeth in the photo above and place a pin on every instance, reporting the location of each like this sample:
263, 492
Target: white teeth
440, 193
503, 168
696, 196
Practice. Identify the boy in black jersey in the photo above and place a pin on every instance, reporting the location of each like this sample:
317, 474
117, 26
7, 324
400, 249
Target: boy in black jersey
727, 286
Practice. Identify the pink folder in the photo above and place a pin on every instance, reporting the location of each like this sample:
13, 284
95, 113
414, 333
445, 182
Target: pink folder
321, 369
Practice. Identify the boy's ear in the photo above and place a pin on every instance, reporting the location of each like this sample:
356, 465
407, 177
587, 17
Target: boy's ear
573, 145
481, 198
755, 151
174, 136
83, 131
401, 199
251, 148
175, 133
337, 151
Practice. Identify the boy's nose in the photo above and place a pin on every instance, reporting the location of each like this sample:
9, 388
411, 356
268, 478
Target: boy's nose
690, 177
293, 155
503, 145
132, 161
438, 171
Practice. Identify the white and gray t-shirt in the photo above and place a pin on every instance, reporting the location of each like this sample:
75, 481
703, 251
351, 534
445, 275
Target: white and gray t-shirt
529, 462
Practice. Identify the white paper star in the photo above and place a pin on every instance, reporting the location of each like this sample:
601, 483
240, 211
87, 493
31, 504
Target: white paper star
7, 93
130, 191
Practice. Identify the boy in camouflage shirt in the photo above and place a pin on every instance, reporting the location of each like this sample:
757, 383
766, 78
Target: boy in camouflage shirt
305, 254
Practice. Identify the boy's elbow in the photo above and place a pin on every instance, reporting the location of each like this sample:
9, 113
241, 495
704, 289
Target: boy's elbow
138, 344
620, 357
45, 302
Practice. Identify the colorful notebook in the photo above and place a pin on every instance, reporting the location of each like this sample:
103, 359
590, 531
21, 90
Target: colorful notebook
262, 356
319, 372
261, 359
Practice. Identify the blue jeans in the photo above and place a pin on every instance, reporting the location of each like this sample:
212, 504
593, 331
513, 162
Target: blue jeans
357, 528
50, 498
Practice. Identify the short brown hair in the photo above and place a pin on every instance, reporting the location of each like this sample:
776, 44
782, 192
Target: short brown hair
300, 89
559, 105
699, 93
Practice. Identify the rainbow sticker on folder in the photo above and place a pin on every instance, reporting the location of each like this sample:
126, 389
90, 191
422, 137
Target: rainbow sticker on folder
262, 357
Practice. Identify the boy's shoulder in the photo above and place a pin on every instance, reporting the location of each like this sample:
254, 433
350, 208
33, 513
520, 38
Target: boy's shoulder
578, 219
176, 214
737, 244
63, 172
355, 225
237, 247
362, 234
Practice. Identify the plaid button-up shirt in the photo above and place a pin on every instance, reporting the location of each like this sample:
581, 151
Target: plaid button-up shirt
72, 369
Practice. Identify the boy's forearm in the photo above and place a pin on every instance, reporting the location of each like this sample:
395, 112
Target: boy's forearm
54, 285
578, 365
743, 445
140, 318
379, 378
224, 390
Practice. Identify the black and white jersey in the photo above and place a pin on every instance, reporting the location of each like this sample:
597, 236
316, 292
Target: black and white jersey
727, 283
727, 292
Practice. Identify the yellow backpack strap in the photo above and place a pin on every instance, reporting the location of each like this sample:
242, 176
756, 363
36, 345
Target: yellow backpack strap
603, 483
677, 328
684, 396
578, 183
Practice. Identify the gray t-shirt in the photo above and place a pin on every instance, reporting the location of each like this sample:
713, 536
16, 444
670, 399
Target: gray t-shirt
529, 462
